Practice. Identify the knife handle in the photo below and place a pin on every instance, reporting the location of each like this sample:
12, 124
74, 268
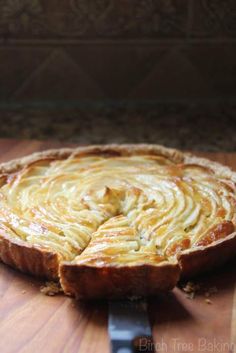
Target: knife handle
139, 344
122, 347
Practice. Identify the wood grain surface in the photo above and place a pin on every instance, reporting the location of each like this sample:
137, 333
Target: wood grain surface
33, 322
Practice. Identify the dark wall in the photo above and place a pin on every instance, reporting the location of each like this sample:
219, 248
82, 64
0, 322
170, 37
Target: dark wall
85, 70
117, 49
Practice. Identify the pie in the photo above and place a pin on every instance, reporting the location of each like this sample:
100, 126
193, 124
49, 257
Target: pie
116, 221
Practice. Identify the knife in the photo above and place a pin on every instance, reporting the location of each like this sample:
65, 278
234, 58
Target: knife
129, 328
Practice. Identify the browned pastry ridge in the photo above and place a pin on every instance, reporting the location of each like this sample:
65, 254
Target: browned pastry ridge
116, 221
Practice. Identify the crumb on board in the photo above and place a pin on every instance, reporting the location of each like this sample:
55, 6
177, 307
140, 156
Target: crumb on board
210, 291
191, 289
190, 295
51, 288
208, 301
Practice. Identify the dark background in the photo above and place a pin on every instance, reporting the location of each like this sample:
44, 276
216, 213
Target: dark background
97, 71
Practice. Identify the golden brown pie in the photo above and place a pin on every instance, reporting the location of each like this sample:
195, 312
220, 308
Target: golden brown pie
114, 221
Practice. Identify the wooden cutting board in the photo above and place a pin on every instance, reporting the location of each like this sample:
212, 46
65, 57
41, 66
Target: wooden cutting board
33, 322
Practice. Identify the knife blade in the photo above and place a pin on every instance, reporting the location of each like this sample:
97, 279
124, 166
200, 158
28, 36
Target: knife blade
129, 327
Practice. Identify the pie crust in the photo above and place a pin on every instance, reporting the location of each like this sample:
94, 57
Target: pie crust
147, 215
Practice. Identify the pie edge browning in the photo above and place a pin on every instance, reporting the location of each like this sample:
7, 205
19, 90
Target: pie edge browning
205, 258
117, 282
28, 258
145, 279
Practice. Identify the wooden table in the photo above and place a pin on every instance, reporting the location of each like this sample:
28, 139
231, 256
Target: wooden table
33, 322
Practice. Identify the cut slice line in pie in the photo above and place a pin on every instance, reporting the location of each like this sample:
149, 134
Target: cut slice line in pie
116, 221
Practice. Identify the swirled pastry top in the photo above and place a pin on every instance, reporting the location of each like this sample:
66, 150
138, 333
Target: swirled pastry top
117, 210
